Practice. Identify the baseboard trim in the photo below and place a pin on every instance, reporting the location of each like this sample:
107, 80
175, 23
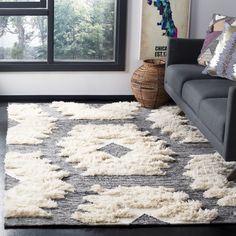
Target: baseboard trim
66, 98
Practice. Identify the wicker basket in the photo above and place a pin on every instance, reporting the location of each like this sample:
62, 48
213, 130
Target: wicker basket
148, 84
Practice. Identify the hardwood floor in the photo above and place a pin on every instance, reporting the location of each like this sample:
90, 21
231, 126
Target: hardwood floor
208, 230
156, 231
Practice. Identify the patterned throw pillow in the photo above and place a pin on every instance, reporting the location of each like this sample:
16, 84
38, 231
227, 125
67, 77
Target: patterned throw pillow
223, 63
212, 38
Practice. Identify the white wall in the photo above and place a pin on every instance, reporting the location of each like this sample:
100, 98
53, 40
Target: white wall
107, 83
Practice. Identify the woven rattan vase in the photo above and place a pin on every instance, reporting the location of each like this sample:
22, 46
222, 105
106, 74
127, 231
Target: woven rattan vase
148, 84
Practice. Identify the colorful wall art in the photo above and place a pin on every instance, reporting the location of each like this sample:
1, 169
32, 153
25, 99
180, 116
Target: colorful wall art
162, 19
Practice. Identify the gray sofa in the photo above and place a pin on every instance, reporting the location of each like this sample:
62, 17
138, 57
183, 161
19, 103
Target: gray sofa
209, 102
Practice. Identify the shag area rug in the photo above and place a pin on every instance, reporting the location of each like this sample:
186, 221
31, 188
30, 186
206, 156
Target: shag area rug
111, 164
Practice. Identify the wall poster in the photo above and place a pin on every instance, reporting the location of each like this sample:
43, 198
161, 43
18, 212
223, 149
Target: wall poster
162, 19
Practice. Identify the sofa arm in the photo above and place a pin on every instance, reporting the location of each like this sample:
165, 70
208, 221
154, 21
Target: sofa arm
229, 152
183, 51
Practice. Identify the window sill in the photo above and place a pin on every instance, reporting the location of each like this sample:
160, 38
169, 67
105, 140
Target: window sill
14, 67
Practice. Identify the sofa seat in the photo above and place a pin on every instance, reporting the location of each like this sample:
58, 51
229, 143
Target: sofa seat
178, 74
195, 91
212, 112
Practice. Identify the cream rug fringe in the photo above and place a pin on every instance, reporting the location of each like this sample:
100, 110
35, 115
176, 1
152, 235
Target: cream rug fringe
40, 183
123, 205
209, 173
33, 124
169, 120
147, 156
113, 111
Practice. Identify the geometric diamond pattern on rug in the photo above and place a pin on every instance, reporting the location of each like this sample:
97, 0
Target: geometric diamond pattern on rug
115, 150
123, 205
88, 157
170, 120
147, 220
100, 149
11, 182
209, 174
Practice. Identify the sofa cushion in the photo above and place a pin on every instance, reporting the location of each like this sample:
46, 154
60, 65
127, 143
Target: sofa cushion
177, 75
212, 113
197, 90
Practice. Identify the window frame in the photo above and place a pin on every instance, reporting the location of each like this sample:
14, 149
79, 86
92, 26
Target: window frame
120, 44
17, 5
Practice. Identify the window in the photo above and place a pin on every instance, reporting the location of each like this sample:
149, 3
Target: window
22, 3
62, 35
